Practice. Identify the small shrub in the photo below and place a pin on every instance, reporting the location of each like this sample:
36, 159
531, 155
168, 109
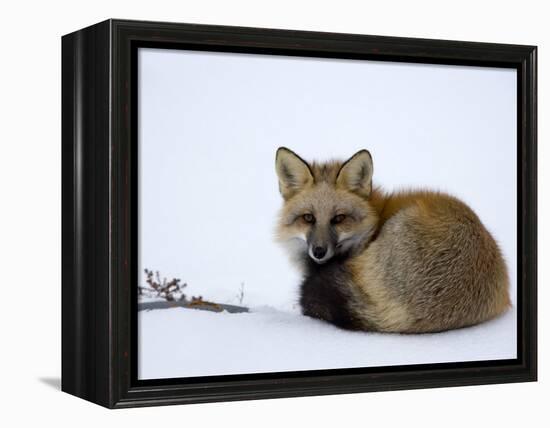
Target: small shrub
170, 290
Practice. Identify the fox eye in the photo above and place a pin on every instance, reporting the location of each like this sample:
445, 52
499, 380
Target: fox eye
338, 218
309, 218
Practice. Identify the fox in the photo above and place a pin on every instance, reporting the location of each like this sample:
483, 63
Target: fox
408, 261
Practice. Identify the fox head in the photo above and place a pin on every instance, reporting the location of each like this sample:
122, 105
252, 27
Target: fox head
326, 209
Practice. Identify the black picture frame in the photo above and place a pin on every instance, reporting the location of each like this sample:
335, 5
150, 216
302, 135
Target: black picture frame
99, 213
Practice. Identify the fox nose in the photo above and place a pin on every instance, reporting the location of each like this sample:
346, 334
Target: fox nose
319, 252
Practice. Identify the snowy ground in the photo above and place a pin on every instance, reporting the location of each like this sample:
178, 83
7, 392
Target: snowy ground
204, 343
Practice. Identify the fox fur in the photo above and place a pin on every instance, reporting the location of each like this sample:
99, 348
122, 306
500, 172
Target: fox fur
407, 262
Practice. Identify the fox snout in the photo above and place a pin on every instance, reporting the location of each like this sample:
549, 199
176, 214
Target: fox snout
320, 246
320, 253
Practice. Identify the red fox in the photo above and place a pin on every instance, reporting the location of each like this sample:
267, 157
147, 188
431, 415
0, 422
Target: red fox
407, 262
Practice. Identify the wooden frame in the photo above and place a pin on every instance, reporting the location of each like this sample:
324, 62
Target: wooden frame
99, 213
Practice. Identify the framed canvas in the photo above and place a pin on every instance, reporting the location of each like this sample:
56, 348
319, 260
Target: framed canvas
253, 213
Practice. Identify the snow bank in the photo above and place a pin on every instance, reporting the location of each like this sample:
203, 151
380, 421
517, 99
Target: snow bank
184, 343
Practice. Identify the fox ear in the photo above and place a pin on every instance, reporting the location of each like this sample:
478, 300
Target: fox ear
293, 172
356, 174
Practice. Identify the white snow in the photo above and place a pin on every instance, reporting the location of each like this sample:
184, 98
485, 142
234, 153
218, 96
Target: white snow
185, 342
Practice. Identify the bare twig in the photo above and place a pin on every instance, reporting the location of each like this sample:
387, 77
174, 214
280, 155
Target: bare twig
240, 295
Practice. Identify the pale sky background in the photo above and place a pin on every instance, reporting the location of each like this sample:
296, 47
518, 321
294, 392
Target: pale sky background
210, 123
